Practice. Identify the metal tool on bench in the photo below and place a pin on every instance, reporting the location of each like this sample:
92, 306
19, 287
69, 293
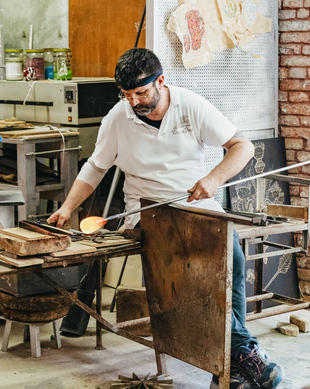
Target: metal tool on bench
93, 223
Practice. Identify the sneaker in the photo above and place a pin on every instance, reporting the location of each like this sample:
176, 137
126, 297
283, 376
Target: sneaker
237, 380
256, 364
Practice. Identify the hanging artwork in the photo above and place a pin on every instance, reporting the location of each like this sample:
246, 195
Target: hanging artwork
280, 273
207, 26
197, 24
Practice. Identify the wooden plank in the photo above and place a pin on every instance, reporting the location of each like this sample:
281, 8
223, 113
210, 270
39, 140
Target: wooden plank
27, 235
35, 131
290, 211
188, 291
117, 34
75, 248
21, 261
24, 247
107, 242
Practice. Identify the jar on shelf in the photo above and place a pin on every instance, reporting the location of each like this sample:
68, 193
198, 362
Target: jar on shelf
14, 65
34, 67
48, 63
62, 64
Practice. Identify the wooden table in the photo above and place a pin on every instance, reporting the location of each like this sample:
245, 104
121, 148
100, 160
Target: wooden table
102, 255
31, 144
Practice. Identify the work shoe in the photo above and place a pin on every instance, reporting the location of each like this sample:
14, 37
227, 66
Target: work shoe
256, 364
237, 380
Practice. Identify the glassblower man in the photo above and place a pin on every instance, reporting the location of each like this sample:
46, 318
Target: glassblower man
156, 134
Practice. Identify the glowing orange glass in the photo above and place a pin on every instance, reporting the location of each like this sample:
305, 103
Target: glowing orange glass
92, 224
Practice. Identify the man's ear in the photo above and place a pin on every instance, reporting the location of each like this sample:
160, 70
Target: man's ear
160, 80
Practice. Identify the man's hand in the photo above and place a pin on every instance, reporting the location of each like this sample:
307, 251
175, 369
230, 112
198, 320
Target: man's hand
204, 188
59, 217
239, 150
79, 192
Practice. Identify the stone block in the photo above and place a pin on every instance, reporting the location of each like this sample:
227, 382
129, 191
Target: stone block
301, 320
288, 329
131, 304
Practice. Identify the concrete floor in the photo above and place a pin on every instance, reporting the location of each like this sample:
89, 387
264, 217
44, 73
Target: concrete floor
79, 365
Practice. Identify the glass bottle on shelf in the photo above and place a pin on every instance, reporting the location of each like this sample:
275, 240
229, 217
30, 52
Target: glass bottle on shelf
14, 65
34, 67
48, 63
62, 64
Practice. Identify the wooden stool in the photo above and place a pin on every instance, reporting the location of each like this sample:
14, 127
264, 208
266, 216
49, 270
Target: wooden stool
34, 336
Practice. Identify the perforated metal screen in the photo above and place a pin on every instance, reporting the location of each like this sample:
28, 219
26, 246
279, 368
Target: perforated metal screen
242, 87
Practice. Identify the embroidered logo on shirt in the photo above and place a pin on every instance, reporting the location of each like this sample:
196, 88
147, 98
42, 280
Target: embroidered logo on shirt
182, 126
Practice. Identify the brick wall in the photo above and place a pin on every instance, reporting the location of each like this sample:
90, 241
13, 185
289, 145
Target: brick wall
294, 105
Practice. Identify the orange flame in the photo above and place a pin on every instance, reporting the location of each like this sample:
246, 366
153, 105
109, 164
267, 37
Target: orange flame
92, 224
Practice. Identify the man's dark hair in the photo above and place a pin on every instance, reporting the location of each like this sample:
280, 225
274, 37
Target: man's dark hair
135, 64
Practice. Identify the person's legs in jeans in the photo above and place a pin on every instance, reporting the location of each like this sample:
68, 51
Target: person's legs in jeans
239, 333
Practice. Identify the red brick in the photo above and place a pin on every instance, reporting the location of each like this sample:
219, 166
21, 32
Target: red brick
287, 14
298, 97
283, 73
297, 73
305, 169
294, 190
289, 120
306, 49
303, 261
293, 3
294, 85
295, 37
298, 201
302, 13
304, 191
290, 48
294, 25
290, 155
302, 156
294, 109
282, 96
293, 143
304, 121
294, 60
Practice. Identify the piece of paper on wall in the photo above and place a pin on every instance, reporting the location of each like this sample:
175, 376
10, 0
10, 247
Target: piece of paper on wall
207, 26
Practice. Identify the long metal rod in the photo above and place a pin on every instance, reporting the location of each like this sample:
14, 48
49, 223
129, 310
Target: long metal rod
183, 197
52, 151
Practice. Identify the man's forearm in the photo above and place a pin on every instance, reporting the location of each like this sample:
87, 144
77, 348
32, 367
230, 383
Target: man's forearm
79, 192
237, 156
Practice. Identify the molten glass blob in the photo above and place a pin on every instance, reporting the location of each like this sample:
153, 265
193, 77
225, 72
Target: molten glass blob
92, 224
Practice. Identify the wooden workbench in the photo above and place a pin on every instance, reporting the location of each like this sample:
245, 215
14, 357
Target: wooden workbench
187, 266
39, 142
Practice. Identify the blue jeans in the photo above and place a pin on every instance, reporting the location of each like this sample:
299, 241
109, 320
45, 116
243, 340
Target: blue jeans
240, 336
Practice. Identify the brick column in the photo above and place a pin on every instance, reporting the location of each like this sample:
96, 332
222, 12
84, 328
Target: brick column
294, 105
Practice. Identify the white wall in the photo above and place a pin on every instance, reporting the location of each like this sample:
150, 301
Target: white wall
48, 17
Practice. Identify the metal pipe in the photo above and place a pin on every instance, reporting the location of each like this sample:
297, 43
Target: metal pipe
228, 184
31, 153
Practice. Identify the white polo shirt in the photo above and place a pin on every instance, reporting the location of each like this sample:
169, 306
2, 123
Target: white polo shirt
164, 163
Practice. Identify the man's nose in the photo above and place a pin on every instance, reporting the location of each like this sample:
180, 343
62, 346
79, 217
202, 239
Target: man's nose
133, 101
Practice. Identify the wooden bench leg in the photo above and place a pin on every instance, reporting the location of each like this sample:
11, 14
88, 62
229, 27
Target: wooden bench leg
6, 335
161, 363
35, 341
57, 333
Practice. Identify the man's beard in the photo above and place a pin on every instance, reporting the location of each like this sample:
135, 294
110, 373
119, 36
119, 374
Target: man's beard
144, 110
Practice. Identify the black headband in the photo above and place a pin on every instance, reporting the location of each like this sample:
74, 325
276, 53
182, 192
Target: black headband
145, 80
